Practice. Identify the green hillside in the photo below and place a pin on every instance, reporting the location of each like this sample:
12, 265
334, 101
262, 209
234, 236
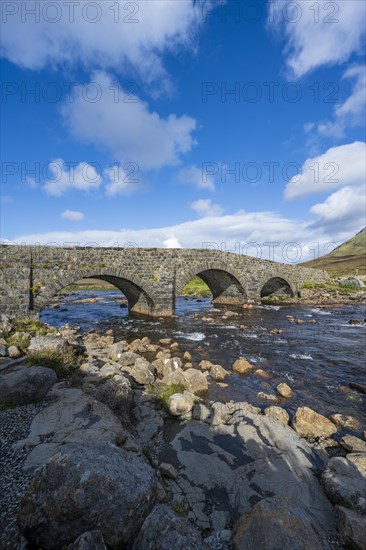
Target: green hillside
348, 258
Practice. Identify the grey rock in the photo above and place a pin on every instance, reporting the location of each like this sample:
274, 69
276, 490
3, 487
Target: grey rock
85, 487
164, 530
277, 413
168, 470
142, 372
359, 460
221, 540
14, 352
3, 350
72, 416
195, 381
26, 385
49, 343
180, 403
116, 350
275, 523
352, 528
353, 444
202, 412
116, 393
127, 359
345, 484
219, 373
91, 540
351, 281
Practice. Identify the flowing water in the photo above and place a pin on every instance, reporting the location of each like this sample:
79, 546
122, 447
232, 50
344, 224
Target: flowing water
318, 360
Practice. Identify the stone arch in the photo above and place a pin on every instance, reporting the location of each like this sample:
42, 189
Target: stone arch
225, 285
139, 293
276, 284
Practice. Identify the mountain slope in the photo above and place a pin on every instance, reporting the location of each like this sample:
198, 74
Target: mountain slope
347, 258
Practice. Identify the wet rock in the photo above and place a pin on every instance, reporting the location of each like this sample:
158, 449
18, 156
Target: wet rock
205, 365
358, 387
91, 540
267, 396
310, 424
164, 530
345, 484
48, 343
88, 486
355, 322
187, 356
195, 381
14, 352
262, 373
284, 390
165, 341
277, 413
142, 372
287, 525
352, 528
26, 385
219, 373
353, 444
180, 403
242, 366
346, 421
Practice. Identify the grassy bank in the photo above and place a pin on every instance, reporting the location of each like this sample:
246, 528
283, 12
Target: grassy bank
196, 287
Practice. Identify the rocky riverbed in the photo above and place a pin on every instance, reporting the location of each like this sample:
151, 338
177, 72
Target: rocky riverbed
120, 445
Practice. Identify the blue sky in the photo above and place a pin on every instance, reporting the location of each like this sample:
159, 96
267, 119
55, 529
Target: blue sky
139, 119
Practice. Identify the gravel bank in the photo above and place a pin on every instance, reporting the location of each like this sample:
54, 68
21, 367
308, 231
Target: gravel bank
14, 425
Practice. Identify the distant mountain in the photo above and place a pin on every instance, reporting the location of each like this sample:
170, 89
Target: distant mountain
347, 258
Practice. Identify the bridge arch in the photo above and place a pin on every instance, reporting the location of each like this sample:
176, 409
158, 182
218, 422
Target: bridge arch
276, 284
140, 295
224, 284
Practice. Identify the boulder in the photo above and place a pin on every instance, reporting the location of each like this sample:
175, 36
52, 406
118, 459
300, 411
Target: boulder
48, 343
353, 444
277, 413
262, 373
267, 396
127, 359
84, 487
116, 350
359, 460
91, 540
180, 403
14, 352
242, 366
164, 530
284, 390
218, 373
351, 527
142, 372
278, 522
310, 424
205, 365
187, 356
345, 484
26, 385
345, 421
351, 281
3, 350
195, 381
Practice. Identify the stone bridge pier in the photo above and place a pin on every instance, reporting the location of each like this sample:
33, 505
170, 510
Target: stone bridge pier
151, 279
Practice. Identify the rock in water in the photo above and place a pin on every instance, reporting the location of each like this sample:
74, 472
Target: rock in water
242, 366
278, 523
310, 424
164, 530
85, 487
284, 390
26, 385
353, 444
277, 413
195, 381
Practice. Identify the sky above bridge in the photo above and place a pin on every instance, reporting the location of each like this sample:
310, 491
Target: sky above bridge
177, 123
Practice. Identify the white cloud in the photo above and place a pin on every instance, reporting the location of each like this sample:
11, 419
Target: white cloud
30, 182
352, 111
346, 208
63, 177
105, 34
338, 167
171, 242
120, 182
320, 33
205, 207
197, 177
129, 131
72, 215
253, 233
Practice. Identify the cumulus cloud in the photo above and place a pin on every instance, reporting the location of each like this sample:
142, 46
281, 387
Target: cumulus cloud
352, 111
129, 131
338, 167
171, 242
343, 209
63, 177
109, 34
205, 207
197, 177
121, 182
320, 33
72, 215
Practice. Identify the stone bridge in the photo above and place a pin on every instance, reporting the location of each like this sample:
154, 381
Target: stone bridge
151, 279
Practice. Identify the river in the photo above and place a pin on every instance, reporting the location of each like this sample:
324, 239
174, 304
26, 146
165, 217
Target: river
318, 360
